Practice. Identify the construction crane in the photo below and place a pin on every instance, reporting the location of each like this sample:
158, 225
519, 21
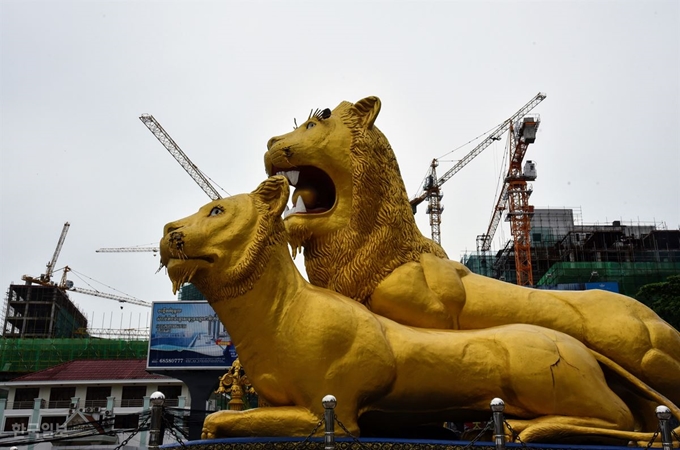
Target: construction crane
66, 285
515, 196
431, 188
181, 157
184, 161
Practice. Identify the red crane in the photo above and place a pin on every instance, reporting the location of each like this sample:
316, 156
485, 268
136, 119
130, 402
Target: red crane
515, 196
431, 189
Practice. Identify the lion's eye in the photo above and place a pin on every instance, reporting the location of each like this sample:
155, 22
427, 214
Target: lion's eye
311, 125
216, 210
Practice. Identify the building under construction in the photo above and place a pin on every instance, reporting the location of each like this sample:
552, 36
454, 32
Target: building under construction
36, 311
42, 327
568, 254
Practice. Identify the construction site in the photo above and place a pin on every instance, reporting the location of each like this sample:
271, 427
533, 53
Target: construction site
552, 248
548, 249
567, 254
42, 327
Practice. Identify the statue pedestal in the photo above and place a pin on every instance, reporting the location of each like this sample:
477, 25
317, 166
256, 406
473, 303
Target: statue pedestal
344, 443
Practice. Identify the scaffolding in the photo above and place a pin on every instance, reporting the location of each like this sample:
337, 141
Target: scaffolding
567, 253
19, 355
42, 327
629, 276
189, 292
36, 311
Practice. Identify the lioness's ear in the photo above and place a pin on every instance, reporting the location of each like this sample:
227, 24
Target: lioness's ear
274, 192
367, 110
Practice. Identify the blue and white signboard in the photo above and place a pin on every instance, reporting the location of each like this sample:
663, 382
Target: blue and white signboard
188, 335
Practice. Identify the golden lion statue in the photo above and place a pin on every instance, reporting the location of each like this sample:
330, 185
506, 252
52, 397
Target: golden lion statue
354, 220
235, 252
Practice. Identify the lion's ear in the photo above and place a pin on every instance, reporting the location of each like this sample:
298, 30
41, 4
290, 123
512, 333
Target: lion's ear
367, 110
274, 192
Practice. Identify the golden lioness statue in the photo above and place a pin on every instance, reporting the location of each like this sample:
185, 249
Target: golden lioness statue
352, 216
300, 342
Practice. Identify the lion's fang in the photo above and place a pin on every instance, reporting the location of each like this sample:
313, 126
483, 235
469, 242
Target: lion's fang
299, 206
292, 175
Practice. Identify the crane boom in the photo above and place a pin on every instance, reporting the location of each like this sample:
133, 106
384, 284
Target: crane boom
47, 276
501, 204
184, 161
119, 298
432, 188
68, 286
127, 249
494, 136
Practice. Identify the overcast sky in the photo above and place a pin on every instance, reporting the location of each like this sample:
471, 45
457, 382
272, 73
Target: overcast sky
223, 77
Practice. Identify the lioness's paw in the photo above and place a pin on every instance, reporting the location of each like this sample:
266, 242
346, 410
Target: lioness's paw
207, 434
210, 427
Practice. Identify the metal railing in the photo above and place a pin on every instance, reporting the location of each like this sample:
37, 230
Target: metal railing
101, 404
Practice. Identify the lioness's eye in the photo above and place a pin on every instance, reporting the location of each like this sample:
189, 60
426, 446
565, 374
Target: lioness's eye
311, 125
216, 210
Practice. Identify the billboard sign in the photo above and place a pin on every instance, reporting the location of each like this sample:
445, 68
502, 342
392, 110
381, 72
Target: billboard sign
188, 335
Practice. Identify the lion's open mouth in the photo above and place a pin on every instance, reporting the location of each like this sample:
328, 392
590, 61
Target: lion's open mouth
179, 258
314, 190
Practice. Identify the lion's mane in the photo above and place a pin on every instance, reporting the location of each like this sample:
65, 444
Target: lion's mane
381, 234
270, 232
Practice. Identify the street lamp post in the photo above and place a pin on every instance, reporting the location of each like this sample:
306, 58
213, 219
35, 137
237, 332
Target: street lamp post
155, 436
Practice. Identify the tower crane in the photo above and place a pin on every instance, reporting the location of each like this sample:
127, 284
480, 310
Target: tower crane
66, 285
181, 157
515, 196
184, 161
431, 188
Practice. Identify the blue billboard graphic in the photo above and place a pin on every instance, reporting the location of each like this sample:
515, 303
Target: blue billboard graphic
188, 335
612, 286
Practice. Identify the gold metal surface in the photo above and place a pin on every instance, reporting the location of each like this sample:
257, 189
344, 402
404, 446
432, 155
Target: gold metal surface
236, 384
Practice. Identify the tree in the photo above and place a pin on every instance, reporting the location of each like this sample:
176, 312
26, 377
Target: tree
664, 299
